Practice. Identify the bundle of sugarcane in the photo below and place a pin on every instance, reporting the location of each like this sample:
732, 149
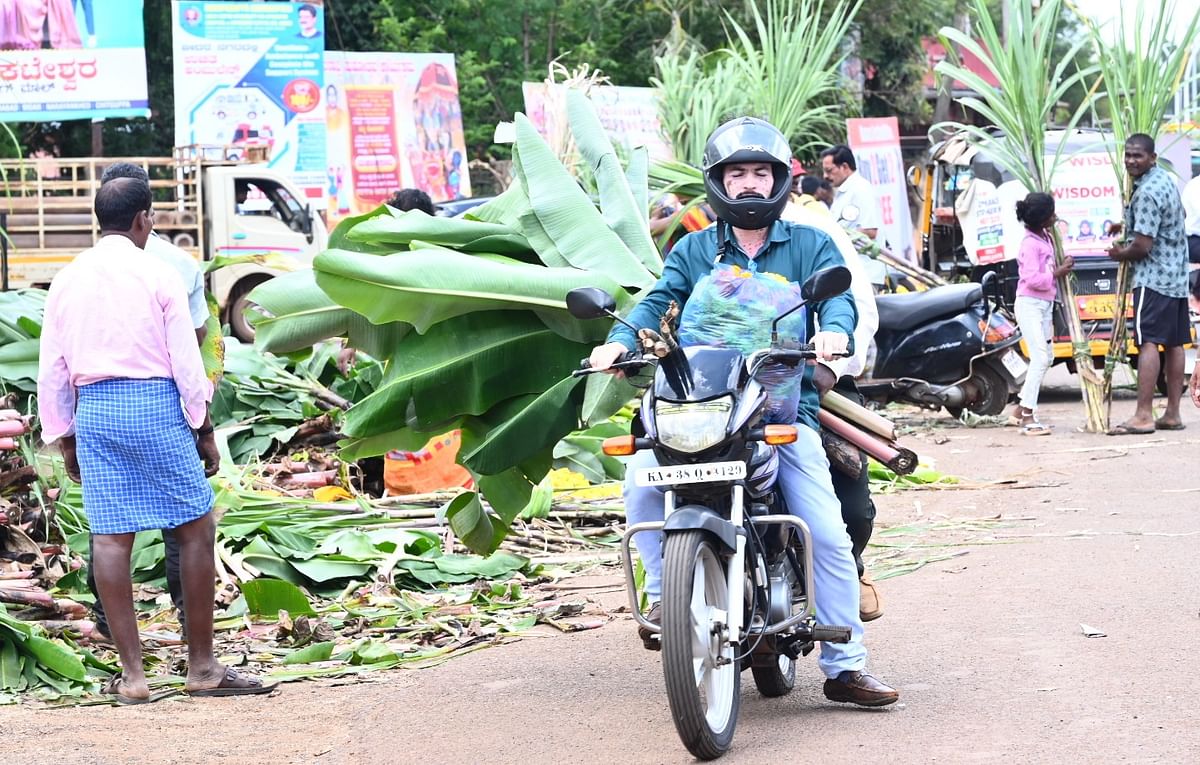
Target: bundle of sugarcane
847, 428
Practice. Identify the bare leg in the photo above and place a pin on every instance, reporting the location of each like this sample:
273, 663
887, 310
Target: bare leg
111, 564
1174, 369
1148, 366
197, 571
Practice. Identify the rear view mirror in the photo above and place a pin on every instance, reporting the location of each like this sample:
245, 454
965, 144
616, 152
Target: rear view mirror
590, 303
825, 283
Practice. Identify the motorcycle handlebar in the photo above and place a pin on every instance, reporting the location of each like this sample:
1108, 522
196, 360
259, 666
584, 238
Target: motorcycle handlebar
629, 360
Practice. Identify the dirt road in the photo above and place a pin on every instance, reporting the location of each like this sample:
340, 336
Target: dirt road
986, 646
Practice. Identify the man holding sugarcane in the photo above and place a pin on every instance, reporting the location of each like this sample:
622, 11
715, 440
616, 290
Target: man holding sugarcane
1156, 246
121, 385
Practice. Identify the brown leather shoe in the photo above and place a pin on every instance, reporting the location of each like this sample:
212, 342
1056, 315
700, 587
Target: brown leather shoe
650, 640
870, 604
853, 687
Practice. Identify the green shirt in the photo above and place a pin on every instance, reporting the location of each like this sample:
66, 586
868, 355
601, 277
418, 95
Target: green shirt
793, 251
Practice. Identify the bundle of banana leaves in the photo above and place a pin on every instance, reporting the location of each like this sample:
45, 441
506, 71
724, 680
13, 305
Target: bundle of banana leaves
469, 317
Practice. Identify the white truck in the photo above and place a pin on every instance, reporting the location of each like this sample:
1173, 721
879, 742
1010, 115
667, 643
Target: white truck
209, 207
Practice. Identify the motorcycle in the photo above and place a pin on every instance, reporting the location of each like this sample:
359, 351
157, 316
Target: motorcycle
946, 347
737, 567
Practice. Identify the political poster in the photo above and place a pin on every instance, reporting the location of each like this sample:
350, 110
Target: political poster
875, 142
72, 59
251, 75
1086, 200
393, 121
629, 115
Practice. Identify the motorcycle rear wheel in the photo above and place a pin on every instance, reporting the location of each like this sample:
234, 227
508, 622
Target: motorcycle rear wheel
704, 695
776, 679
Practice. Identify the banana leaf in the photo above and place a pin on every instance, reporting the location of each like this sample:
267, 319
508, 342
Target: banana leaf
622, 212
637, 175
525, 426
503, 209
212, 350
424, 287
464, 365
294, 313
568, 216
339, 237
19, 364
462, 234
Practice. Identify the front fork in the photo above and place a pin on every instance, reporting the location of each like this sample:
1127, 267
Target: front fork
735, 570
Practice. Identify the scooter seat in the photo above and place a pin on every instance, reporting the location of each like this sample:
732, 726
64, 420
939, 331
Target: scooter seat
911, 309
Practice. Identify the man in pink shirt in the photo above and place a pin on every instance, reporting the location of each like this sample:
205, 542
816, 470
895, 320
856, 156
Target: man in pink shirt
121, 385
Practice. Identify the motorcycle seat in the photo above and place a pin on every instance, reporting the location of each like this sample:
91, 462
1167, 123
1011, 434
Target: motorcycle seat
911, 309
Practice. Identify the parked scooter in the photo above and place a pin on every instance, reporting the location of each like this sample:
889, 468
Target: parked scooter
737, 590
946, 347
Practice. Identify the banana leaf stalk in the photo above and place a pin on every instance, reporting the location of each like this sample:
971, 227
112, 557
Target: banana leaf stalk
1140, 73
1032, 80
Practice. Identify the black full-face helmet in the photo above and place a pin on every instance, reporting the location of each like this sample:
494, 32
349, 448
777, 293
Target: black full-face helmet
747, 139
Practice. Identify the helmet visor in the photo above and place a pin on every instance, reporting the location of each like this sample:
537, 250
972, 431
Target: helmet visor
745, 138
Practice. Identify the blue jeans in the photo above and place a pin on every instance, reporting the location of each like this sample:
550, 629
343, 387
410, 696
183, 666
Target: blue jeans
808, 491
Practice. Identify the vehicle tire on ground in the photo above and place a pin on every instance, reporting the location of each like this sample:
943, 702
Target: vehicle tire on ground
239, 301
991, 393
777, 678
704, 696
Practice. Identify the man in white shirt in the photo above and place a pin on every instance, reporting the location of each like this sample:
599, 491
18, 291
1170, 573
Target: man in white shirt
854, 494
852, 190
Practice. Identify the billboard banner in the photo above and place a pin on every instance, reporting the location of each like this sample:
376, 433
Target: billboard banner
251, 74
393, 121
629, 115
875, 142
71, 60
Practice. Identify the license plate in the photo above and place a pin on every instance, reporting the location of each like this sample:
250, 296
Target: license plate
1093, 307
1013, 362
707, 472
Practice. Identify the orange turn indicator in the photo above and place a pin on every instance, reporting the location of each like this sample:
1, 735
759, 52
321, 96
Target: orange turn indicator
622, 446
779, 434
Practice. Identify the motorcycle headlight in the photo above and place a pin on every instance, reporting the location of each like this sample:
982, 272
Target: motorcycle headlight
692, 427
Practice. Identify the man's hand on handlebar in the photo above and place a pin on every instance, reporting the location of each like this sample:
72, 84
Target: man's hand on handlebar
830, 345
604, 356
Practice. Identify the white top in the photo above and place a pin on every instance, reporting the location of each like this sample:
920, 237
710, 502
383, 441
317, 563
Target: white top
860, 287
188, 270
1191, 205
858, 191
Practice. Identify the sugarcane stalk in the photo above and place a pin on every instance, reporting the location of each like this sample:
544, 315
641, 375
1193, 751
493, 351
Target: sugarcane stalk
1091, 385
858, 415
1118, 350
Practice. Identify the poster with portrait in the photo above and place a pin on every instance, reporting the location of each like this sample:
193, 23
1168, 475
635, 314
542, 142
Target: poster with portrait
251, 74
629, 115
393, 121
72, 59
875, 142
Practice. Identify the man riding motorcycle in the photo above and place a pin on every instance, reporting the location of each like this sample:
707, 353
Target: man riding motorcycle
747, 165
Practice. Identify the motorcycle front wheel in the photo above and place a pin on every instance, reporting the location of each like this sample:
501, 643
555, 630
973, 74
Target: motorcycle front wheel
703, 682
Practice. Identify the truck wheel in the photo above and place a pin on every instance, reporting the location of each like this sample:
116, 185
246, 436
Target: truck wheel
239, 325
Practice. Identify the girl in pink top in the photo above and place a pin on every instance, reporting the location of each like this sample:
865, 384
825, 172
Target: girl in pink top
1034, 308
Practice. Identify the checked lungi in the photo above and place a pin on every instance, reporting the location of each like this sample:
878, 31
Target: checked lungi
137, 457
